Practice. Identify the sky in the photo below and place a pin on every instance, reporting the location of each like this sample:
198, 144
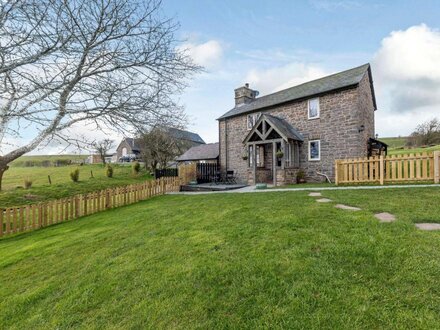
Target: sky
273, 45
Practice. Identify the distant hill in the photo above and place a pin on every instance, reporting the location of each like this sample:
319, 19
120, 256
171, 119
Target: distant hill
44, 160
394, 142
396, 146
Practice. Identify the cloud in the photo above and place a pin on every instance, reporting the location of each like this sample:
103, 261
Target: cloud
332, 5
208, 54
282, 77
407, 70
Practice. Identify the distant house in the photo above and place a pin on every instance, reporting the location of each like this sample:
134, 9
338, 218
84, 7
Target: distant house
96, 159
304, 128
130, 148
205, 153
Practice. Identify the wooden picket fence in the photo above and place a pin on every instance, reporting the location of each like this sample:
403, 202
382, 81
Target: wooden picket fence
15, 220
397, 168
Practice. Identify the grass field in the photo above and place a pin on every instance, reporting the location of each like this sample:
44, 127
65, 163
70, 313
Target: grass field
243, 261
13, 193
396, 146
394, 142
38, 159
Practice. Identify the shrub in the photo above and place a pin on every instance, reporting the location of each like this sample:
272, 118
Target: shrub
300, 176
74, 175
61, 162
27, 183
28, 163
136, 167
109, 171
46, 163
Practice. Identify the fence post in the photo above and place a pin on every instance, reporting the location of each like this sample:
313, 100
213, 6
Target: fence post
1, 222
336, 172
381, 170
436, 166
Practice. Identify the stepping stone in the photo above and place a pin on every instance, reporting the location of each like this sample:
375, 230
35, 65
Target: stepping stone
346, 207
323, 200
385, 217
428, 226
315, 194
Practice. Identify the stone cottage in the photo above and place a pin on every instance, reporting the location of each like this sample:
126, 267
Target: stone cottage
305, 127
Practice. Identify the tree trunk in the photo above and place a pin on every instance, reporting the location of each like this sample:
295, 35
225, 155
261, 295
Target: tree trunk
3, 169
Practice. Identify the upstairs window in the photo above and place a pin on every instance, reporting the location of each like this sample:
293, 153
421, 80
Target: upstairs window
314, 150
314, 108
252, 120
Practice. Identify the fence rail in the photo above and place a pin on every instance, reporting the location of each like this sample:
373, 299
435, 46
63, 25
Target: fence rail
396, 168
31, 217
166, 172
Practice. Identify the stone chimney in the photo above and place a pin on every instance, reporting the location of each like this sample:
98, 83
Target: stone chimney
244, 95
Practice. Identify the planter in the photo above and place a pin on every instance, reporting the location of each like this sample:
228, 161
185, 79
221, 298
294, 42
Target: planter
261, 186
279, 154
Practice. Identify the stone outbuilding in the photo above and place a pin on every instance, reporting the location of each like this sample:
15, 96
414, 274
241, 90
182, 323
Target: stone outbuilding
204, 153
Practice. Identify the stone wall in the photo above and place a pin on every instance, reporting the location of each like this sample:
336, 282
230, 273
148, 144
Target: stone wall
341, 115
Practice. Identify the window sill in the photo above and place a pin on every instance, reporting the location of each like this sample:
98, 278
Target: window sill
313, 118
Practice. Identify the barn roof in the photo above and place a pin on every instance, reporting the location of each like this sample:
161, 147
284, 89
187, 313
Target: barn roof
201, 152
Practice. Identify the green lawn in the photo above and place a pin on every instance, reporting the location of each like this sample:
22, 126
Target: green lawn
264, 260
13, 193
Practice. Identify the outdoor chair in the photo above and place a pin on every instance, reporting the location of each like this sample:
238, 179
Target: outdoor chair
216, 178
230, 177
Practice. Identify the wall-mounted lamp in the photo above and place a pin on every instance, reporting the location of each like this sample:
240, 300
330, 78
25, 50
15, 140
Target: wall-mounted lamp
361, 128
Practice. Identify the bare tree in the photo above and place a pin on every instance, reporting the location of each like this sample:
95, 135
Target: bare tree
102, 148
114, 64
427, 133
159, 147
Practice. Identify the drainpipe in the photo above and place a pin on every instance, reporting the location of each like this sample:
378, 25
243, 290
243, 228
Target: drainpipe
226, 145
324, 175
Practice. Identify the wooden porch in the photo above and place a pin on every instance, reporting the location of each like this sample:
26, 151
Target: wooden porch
272, 146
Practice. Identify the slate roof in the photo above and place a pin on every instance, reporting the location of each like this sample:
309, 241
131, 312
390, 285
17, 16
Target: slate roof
133, 143
344, 79
185, 135
285, 128
201, 152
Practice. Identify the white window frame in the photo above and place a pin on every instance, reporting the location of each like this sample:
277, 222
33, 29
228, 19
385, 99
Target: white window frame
308, 108
251, 155
319, 151
254, 118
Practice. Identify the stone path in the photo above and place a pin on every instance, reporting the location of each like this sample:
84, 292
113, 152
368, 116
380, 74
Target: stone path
315, 194
323, 200
346, 207
385, 217
428, 226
